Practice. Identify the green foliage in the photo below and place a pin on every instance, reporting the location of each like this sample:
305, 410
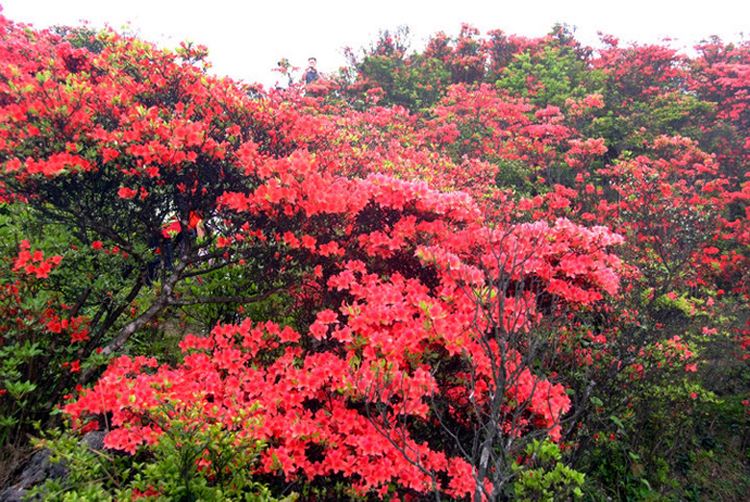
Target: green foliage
629, 122
519, 177
415, 83
659, 444
35, 361
550, 77
544, 477
189, 463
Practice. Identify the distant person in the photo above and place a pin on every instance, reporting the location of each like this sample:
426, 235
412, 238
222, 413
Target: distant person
311, 73
285, 69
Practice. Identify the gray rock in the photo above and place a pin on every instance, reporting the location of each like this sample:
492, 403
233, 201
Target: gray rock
94, 440
39, 468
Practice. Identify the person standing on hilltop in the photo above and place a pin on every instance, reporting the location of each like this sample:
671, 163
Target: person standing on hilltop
285, 69
311, 73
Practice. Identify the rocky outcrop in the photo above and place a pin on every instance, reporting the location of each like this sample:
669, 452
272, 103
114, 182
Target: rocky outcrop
39, 468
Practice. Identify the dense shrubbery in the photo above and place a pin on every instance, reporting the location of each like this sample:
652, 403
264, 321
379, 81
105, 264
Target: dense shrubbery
498, 268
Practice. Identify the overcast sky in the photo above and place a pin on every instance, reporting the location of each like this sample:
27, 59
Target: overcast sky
247, 38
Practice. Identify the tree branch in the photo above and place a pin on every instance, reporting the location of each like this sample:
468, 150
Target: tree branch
224, 299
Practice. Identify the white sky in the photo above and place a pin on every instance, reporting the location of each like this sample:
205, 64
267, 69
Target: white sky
247, 38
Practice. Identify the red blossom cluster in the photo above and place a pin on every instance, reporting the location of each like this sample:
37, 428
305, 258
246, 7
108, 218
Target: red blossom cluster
34, 263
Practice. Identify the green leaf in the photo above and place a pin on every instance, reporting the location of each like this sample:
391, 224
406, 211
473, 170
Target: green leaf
617, 422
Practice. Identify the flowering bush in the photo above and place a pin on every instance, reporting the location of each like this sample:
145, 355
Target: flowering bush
435, 276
